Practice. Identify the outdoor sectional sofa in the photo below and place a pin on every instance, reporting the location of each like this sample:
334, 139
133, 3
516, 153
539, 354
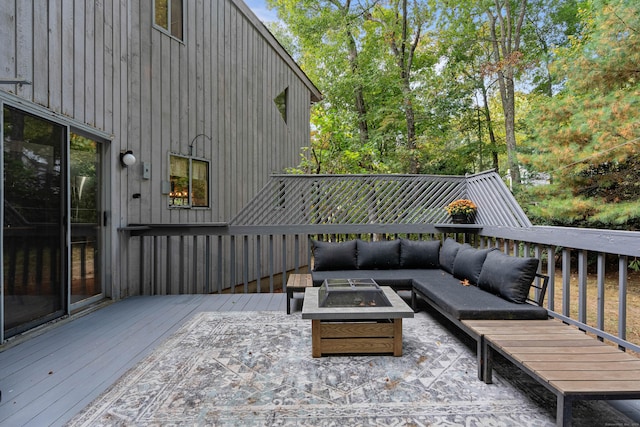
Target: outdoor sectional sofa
496, 288
457, 280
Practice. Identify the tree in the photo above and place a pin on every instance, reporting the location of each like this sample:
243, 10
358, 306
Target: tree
327, 31
403, 29
587, 136
505, 26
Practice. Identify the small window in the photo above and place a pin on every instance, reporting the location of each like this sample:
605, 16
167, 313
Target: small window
281, 102
200, 183
189, 180
168, 16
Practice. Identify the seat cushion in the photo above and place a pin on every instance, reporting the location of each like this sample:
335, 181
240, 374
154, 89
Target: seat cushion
471, 302
381, 255
508, 276
397, 279
419, 253
468, 263
334, 255
448, 254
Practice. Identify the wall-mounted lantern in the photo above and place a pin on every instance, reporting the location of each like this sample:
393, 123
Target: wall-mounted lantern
127, 159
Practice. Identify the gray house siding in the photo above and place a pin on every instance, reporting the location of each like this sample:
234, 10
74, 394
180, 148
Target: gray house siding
102, 65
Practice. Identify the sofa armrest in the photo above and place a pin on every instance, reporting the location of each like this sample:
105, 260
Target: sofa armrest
540, 285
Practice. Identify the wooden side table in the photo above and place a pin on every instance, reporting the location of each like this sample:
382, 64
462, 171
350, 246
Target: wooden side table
297, 283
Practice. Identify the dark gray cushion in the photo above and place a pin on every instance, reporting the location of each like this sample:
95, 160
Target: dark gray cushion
334, 255
468, 263
508, 276
419, 253
448, 254
470, 302
381, 255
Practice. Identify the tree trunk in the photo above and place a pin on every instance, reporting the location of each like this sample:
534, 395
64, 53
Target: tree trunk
404, 57
411, 127
361, 107
505, 55
492, 135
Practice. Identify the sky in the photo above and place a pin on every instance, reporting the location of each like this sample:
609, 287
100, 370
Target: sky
259, 7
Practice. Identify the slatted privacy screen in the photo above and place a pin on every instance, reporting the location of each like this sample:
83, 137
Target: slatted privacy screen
378, 199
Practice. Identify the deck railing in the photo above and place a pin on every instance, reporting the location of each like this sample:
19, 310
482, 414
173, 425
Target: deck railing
584, 288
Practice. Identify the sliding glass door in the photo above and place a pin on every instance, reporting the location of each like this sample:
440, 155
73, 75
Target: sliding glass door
85, 215
52, 220
34, 222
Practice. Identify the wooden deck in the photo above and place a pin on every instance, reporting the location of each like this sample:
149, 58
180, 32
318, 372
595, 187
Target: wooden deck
48, 378
53, 374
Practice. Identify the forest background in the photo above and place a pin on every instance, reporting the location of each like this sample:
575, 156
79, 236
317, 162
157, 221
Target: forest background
546, 92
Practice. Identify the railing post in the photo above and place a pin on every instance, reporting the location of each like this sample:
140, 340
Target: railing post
622, 297
258, 262
232, 264
284, 263
245, 263
142, 267
296, 253
181, 269
193, 288
220, 273
551, 272
582, 286
566, 282
601, 289
272, 266
207, 264
169, 263
154, 268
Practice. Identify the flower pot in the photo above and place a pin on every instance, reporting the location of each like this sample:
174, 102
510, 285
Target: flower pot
462, 219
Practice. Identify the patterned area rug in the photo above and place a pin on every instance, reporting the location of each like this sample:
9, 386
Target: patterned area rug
256, 369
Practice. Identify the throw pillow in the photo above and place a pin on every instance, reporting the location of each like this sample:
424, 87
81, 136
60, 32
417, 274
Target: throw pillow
448, 254
419, 253
334, 255
381, 255
468, 263
508, 276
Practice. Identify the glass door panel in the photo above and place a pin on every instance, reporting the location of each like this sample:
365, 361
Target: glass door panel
84, 166
33, 239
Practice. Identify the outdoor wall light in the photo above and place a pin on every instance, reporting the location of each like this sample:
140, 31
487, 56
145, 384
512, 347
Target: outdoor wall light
127, 158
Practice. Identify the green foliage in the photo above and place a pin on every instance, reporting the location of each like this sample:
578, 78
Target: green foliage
575, 101
586, 137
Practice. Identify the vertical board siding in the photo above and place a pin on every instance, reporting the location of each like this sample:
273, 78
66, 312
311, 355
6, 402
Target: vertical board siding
103, 64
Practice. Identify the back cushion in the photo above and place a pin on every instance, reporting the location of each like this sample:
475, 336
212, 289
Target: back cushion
448, 254
383, 255
507, 276
468, 263
334, 256
419, 253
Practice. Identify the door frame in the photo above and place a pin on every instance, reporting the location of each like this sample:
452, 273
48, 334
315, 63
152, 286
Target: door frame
104, 139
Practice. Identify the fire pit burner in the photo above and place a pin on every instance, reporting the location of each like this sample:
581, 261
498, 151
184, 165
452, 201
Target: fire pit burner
351, 293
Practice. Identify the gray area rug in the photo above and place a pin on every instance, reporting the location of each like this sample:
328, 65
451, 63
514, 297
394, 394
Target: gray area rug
256, 369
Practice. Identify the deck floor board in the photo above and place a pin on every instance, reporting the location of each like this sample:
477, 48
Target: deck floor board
49, 376
52, 375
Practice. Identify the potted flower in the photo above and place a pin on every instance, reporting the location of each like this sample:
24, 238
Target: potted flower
462, 211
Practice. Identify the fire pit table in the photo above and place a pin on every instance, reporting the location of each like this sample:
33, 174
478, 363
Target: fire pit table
354, 316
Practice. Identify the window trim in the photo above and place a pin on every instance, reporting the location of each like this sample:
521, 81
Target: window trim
167, 31
190, 160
